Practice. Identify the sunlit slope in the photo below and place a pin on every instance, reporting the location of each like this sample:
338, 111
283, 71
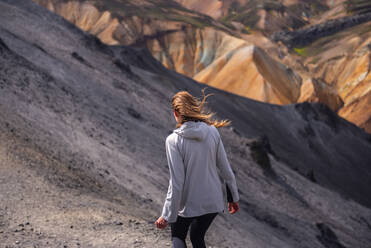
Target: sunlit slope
343, 61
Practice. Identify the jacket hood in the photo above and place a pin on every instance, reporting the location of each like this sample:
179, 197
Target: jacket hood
193, 130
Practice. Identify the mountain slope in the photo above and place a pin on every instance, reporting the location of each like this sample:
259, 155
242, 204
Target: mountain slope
195, 49
82, 154
196, 45
341, 60
260, 15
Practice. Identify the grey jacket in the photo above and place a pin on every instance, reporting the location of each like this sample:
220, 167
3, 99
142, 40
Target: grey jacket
195, 153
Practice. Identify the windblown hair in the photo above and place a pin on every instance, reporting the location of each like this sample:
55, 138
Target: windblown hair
191, 109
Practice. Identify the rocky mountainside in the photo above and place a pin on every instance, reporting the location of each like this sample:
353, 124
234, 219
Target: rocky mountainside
187, 42
265, 50
82, 155
264, 15
336, 51
343, 62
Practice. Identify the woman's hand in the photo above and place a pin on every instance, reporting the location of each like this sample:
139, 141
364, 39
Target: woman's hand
161, 223
233, 207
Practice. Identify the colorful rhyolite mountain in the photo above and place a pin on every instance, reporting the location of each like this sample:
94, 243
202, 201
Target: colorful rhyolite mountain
250, 48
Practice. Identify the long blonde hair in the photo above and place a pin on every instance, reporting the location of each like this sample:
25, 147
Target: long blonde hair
191, 109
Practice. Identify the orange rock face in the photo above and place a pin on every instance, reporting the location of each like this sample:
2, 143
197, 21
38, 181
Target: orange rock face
211, 8
228, 63
248, 71
354, 86
343, 61
315, 90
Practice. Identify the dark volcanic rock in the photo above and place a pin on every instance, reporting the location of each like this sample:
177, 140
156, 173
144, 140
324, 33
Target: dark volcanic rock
327, 237
307, 35
259, 149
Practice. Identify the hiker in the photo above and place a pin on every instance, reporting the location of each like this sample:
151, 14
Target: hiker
194, 151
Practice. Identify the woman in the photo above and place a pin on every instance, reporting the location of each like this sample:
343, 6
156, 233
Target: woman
194, 151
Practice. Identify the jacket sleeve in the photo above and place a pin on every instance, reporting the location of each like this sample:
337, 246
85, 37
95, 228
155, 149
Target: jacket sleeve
226, 173
176, 182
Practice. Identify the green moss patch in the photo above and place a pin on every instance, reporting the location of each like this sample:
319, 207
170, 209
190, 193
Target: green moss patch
302, 51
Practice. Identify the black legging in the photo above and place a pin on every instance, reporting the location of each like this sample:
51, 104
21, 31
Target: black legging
199, 226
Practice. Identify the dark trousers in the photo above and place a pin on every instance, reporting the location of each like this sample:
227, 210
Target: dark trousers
198, 227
